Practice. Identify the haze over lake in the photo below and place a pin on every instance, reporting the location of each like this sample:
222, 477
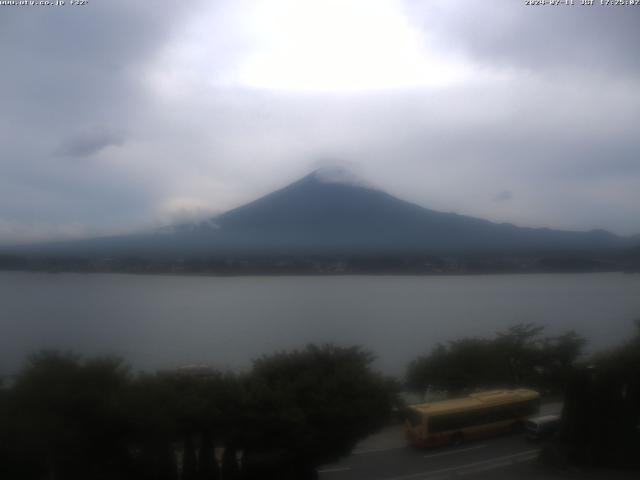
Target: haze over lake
169, 321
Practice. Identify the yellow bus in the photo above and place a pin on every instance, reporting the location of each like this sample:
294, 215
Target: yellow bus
478, 415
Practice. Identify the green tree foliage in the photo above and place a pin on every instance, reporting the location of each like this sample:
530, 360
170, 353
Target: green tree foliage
313, 405
520, 356
230, 470
65, 421
67, 418
601, 417
6, 454
180, 416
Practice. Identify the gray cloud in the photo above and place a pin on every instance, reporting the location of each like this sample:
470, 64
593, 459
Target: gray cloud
89, 142
596, 39
558, 125
503, 196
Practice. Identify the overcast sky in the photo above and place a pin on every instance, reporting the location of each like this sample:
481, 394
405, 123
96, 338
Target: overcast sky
123, 114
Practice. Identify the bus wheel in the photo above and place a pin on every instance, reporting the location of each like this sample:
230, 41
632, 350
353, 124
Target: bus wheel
457, 439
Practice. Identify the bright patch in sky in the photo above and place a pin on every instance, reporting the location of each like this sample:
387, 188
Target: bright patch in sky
334, 46
341, 45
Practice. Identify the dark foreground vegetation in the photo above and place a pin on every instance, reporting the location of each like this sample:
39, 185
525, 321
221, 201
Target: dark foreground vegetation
522, 356
66, 418
601, 418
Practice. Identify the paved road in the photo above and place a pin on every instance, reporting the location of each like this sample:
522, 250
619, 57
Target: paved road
386, 456
405, 463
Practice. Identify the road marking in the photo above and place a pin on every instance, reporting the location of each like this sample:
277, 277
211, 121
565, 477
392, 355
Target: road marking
497, 461
333, 470
494, 466
376, 450
451, 452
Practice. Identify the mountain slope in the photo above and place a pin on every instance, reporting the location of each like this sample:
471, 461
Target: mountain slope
315, 214
323, 213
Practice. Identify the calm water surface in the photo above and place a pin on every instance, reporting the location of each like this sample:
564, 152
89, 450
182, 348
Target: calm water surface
162, 321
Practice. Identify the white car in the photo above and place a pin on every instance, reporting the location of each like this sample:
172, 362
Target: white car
538, 428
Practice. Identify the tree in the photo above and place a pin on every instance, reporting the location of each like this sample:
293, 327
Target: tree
601, 416
183, 414
519, 349
230, 470
520, 356
311, 406
557, 360
66, 419
70, 418
461, 365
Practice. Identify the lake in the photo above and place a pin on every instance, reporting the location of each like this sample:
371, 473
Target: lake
166, 321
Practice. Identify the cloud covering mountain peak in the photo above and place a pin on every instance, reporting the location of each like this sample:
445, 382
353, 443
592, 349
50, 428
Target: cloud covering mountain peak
340, 175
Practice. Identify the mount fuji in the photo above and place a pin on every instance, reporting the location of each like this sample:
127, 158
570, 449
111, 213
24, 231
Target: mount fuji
330, 211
